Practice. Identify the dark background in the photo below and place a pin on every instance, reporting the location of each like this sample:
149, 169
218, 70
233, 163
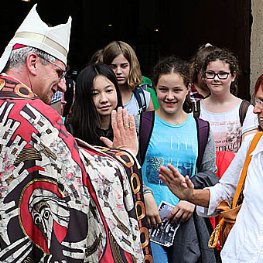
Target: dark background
182, 26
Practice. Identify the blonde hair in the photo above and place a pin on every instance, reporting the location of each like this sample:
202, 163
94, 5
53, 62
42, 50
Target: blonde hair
114, 49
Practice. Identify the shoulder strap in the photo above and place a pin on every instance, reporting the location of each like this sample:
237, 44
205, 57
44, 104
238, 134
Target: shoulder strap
140, 97
145, 132
244, 170
145, 86
213, 241
243, 111
196, 108
202, 137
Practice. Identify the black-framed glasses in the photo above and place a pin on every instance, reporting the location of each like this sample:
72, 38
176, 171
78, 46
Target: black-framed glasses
61, 73
220, 75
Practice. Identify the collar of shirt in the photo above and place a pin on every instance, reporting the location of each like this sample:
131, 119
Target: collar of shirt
259, 147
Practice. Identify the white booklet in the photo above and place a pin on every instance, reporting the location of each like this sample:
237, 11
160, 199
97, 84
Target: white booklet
164, 234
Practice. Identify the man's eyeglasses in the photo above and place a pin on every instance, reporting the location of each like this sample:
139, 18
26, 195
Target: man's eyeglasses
259, 103
220, 75
61, 73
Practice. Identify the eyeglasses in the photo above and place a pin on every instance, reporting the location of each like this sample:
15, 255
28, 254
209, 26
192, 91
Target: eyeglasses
220, 75
259, 103
61, 73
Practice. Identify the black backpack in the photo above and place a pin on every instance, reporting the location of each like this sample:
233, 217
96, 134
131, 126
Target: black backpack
146, 128
140, 97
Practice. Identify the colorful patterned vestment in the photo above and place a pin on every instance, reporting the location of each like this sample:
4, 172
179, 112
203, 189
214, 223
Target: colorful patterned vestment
60, 202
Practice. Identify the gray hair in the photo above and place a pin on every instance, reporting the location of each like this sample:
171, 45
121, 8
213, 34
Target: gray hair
18, 57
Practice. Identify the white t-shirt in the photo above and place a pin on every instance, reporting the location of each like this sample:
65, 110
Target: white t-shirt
245, 241
226, 127
170, 143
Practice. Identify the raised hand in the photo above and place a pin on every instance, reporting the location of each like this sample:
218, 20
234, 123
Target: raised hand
181, 186
124, 132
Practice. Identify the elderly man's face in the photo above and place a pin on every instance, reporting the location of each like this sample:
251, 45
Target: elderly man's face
50, 80
258, 109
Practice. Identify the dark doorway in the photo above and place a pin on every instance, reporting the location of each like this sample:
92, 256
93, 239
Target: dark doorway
154, 28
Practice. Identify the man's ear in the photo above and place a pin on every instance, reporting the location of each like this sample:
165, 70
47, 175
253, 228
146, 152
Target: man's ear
32, 61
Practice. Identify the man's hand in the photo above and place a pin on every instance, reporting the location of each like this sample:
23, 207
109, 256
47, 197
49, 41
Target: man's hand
152, 212
181, 212
181, 186
124, 132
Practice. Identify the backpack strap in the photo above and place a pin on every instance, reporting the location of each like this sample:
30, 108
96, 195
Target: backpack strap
140, 97
145, 132
243, 111
202, 137
146, 128
234, 209
196, 108
145, 86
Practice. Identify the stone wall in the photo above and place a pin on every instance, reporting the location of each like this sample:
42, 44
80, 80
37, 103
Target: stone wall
256, 49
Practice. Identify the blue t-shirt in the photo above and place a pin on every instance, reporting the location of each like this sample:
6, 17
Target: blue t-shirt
175, 144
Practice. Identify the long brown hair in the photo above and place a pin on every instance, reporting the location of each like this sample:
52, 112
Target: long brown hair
114, 49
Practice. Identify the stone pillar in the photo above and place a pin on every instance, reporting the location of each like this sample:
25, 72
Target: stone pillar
256, 48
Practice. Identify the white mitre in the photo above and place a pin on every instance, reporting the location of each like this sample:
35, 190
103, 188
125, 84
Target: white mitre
35, 33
